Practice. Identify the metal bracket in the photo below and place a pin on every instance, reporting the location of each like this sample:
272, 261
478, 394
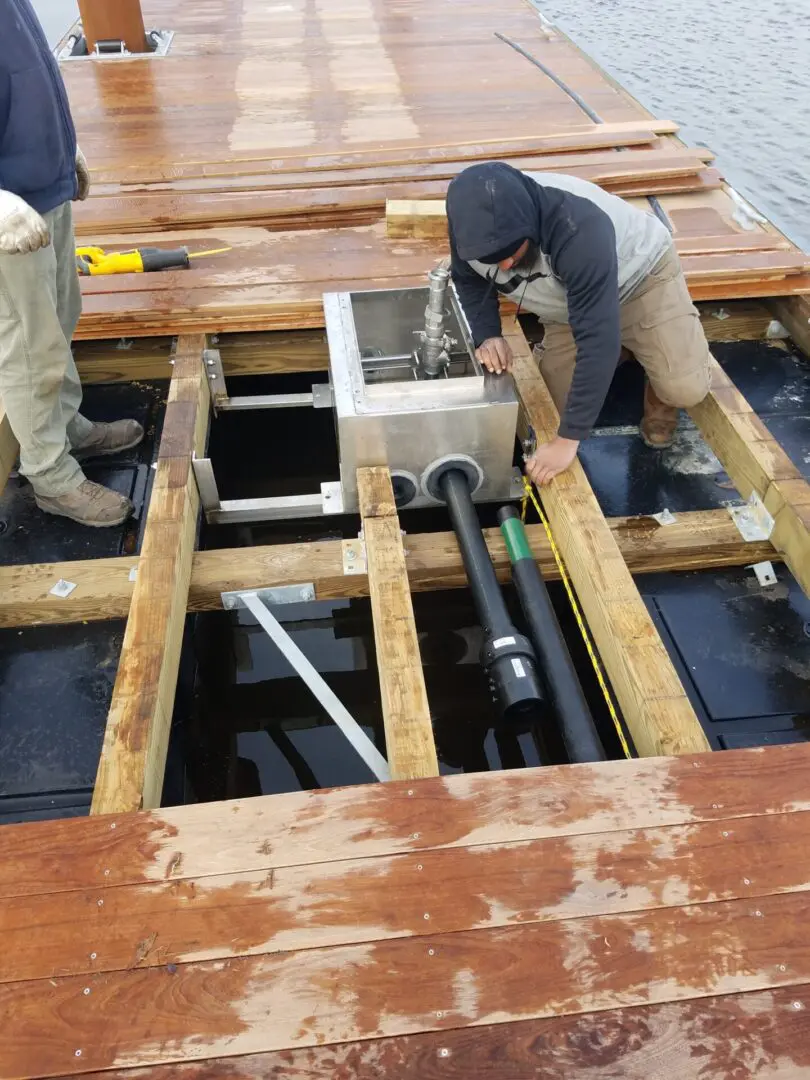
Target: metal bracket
206, 483
322, 397
354, 556
281, 594
332, 495
752, 519
315, 682
516, 489
665, 517
216, 377
766, 575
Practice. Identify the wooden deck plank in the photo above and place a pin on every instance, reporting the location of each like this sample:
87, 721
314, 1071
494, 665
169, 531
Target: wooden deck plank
702, 539
287, 909
471, 978
275, 281
410, 746
756, 1036
757, 463
386, 819
133, 754
653, 702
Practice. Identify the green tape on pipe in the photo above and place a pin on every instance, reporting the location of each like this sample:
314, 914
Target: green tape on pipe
517, 543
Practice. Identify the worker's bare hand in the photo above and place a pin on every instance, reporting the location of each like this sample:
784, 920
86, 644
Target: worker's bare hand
22, 229
550, 459
495, 355
82, 175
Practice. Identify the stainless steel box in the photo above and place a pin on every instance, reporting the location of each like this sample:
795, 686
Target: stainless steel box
387, 414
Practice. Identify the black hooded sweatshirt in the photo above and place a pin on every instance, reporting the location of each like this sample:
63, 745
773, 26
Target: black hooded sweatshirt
493, 207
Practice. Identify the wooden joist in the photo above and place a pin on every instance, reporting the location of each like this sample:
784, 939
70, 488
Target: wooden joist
700, 540
411, 750
273, 352
757, 463
655, 707
794, 314
133, 755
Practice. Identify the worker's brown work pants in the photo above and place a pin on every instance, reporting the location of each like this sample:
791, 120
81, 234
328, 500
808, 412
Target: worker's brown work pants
40, 304
661, 327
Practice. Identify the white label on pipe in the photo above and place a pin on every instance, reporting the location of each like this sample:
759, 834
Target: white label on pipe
520, 671
499, 643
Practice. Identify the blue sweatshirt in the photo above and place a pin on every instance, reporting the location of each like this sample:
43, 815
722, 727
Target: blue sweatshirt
37, 137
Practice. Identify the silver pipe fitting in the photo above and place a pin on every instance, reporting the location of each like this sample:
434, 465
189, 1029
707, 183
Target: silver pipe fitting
434, 353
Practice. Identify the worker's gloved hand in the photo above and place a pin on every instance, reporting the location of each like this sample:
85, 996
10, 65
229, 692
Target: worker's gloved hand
495, 355
22, 229
82, 175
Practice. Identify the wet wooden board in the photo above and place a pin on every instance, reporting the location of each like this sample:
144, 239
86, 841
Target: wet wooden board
349, 901
755, 1036
252, 1004
699, 540
410, 747
653, 702
136, 738
303, 828
276, 280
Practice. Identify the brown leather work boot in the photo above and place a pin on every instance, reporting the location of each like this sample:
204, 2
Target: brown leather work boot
657, 428
111, 438
89, 504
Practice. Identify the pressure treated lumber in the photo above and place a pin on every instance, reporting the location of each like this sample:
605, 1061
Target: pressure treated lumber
794, 314
757, 463
699, 540
653, 702
679, 1041
133, 754
410, 747
274, 352
267, 1002
350, 900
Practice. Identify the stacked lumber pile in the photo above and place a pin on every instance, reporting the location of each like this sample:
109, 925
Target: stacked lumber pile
276, 280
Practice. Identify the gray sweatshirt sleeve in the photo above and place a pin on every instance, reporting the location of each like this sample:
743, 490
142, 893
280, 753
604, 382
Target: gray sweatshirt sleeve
586, 263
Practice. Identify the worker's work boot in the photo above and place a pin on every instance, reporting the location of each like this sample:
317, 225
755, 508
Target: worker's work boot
659, 422
107, 439
89, 504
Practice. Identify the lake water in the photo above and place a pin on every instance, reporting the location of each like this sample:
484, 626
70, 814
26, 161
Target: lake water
734, 73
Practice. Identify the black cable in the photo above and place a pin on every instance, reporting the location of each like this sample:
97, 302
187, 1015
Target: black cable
655, 205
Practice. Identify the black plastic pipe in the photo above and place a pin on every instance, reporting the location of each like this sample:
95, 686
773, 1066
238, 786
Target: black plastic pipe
579, 733
507, 656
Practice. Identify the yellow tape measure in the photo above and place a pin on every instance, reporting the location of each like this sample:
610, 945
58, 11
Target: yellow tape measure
528, 494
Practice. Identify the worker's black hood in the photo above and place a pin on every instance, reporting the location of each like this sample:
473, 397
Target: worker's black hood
492, 208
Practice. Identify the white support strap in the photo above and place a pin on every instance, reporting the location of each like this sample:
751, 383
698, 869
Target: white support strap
324, 693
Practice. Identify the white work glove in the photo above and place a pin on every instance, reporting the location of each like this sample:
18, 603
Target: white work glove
22, 229
82, 175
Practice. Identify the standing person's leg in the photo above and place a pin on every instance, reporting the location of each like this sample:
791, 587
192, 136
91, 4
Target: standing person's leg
661, 326
86, 438
557, 356
33, 359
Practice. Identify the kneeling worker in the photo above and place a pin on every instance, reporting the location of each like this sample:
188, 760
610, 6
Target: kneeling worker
599, 273
41, 171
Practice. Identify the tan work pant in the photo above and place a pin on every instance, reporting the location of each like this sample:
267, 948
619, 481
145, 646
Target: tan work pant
40, 304
661, 327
